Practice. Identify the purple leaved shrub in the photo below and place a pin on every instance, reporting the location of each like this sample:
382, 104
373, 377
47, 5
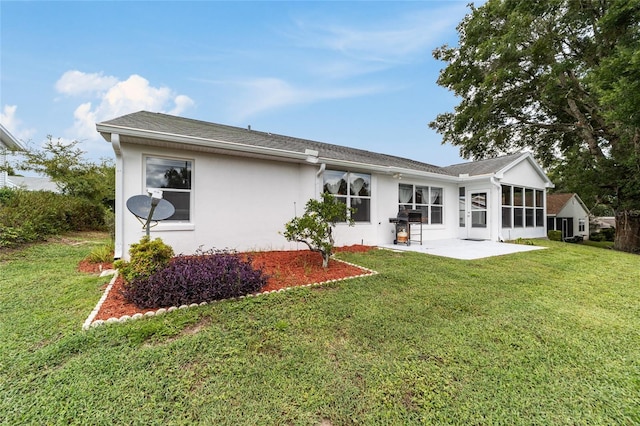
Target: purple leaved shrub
204, 277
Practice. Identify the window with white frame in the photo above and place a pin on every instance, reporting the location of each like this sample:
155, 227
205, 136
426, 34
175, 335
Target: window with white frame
522, 207
352, 189
581, 224
539, 208
173, 177
507, 207
462, 200
427, 199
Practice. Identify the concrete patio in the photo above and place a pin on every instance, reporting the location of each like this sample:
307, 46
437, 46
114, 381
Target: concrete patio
463, 249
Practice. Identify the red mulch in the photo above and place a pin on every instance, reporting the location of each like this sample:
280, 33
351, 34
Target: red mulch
284, 268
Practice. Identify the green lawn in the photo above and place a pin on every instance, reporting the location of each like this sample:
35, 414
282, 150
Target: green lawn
544, 337
600, 244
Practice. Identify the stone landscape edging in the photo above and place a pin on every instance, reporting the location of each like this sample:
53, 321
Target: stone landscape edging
89, 322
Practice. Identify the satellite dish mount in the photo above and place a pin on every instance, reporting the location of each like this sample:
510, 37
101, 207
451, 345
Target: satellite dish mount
150, 208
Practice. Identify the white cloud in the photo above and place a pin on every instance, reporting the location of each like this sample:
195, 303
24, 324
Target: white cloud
262, 94
14, 125
182, 102
379, 45
111, 98
77, 83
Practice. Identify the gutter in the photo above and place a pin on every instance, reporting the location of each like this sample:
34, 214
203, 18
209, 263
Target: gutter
202, 142
107, 130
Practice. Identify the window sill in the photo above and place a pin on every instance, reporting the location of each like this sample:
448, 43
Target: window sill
174, 227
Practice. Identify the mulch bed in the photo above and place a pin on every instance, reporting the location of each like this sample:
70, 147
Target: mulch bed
284, 268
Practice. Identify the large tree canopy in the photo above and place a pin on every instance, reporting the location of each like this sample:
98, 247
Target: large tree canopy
560, 78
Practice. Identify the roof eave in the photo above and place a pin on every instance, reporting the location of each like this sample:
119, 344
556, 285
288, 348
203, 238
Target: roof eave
401, 172
106, 129
9, 140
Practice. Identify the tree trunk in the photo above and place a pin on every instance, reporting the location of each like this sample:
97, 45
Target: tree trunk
325, 259
627, 231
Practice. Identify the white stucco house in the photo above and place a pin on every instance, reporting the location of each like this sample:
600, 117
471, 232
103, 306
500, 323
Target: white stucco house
236, 188
8, 142
567, 213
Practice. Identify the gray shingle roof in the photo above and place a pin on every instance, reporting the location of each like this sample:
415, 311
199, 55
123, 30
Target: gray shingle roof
482, 167
179, 126
173, 125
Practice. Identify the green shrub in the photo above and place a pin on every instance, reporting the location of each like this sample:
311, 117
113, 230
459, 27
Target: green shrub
609, 234
5, 195
555, 235
523, 241
27, 216
596, 236
146, 257
84, 215
101, 254
10, 236
110, 223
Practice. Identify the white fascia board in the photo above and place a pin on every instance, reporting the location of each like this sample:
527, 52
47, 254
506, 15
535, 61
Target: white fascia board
9, 140
389, 170
467, 178
202, 142
259, 150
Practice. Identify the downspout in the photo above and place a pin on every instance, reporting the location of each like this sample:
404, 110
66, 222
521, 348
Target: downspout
497, 184
119, 205
318, 174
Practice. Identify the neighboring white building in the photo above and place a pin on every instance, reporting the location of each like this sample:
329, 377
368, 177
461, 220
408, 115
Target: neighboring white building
567, 213
33, 183
8, 142
236, 188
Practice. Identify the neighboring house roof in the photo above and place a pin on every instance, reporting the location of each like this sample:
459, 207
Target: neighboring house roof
556, 202
31, 183
7, 140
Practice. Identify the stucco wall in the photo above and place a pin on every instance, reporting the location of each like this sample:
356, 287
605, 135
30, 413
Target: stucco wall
238, 203
387, 207
243, 203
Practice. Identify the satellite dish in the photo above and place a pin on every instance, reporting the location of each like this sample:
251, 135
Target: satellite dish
150, 209
140, 206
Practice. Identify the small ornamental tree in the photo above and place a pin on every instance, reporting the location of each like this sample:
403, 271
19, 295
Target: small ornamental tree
315, 227
65, 164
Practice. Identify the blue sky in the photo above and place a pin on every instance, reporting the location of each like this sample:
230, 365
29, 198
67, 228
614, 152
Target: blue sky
358, 74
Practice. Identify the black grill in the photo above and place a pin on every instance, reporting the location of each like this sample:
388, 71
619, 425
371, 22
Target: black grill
403, 221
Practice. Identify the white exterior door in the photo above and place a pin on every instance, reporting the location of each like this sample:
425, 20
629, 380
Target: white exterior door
478, 215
